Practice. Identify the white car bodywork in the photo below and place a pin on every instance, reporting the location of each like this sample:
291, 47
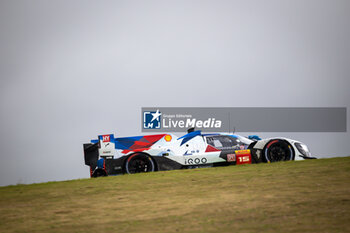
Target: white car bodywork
194, 150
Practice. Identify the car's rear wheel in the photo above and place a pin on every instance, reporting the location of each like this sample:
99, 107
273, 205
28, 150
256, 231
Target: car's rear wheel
99, 172
138, 163
278, 150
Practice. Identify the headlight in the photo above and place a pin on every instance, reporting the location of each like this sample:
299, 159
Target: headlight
302, 148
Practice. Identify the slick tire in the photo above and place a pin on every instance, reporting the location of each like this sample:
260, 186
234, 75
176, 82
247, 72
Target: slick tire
138, 163
277, 150
99, 172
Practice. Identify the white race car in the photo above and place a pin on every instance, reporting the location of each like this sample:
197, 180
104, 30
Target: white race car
111, 156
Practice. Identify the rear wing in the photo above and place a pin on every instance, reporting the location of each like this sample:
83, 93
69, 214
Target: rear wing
104, 147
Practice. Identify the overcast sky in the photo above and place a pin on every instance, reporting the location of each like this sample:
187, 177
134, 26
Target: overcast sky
71, 70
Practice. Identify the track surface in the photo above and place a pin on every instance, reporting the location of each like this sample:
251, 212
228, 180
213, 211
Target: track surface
298, 196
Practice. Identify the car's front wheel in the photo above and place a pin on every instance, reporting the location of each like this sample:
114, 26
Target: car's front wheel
138, 163
278, 150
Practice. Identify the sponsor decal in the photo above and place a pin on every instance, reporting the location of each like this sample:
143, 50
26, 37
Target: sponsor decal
106, 138
243, 159
167, 138
192, 161
231, 157
152, 119
243, 156
240, 152
191, 152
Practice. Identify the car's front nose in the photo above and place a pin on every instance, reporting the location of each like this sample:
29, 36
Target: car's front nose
303, 150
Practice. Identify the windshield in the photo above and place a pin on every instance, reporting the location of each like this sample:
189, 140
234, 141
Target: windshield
223, 142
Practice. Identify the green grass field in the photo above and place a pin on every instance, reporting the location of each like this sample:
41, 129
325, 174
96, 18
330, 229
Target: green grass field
297, 196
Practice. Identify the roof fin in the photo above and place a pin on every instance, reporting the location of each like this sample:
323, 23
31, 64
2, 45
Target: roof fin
190, 130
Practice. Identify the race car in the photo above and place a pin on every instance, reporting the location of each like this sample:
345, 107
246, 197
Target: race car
108, 155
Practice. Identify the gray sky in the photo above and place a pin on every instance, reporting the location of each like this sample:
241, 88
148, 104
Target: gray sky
71, 70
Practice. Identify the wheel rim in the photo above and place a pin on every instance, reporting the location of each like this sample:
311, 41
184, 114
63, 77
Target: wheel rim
278, 152
139, 165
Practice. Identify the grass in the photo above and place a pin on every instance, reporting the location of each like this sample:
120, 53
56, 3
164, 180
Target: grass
298, 196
